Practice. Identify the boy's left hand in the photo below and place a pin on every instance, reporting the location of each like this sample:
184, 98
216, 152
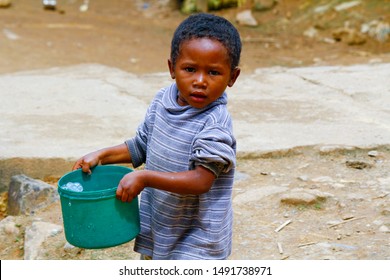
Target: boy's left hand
130, 186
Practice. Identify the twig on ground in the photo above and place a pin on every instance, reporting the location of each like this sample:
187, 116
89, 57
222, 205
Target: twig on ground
280, 248
307, 244
282, 225
346, 221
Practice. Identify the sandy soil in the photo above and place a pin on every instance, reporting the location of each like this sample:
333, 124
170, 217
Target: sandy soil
352, 218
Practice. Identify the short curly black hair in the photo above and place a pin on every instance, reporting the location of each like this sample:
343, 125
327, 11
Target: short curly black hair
203, 25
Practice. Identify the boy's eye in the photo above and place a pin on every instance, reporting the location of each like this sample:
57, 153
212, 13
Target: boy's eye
190, 69
214, 73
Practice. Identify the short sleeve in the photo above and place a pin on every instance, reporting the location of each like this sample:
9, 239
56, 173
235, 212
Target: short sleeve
215, 146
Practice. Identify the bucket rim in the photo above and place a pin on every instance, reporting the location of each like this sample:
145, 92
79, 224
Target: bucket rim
91, 194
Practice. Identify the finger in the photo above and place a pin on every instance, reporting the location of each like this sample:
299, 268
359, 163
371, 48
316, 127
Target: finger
119, 192
77, 165
86, 169
125, 196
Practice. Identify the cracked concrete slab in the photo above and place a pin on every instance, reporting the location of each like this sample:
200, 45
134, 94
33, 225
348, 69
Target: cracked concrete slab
67, 112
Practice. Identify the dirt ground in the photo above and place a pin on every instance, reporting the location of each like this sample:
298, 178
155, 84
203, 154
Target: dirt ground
351, 220
135, 37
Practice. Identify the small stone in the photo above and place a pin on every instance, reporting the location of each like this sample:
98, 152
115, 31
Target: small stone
5, 3
349, 35
384, 228
303, 178
311, 32
358, 164
373, 153
71, 250
246, 18
297, 198
300, 196
347, 216
11, 228
8, 226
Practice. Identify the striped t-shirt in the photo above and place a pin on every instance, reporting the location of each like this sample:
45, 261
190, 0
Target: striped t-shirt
176, 138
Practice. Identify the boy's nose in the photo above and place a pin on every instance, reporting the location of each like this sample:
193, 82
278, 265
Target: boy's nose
200, 79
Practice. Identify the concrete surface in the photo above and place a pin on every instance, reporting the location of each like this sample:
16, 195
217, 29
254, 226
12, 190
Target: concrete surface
67, 112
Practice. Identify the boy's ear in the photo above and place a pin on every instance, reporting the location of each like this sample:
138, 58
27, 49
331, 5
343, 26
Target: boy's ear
171, 68
234, 75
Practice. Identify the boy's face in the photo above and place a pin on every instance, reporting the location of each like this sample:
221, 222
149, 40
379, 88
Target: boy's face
202, 72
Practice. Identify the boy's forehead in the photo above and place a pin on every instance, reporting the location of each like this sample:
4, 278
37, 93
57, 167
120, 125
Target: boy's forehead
206, 41
204, 47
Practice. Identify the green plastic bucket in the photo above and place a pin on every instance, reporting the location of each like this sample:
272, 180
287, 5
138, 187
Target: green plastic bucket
95, 218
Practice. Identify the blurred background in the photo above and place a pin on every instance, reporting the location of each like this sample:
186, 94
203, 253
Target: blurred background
134, 35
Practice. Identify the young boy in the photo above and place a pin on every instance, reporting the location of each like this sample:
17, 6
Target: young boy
187, 145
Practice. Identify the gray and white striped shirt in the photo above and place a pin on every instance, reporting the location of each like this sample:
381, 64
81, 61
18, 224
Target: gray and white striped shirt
176, 138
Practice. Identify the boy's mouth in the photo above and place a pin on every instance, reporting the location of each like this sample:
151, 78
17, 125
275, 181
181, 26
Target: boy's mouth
198, 96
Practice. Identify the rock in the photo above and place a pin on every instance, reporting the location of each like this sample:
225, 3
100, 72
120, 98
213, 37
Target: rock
358, 164
311, 32
49, 4
71, 250
376, 29
300, 196
373, 153
8, 227
303, 178
246, 18
349, 35
26, 195
328, 40
5, 3
35, 235
347, 216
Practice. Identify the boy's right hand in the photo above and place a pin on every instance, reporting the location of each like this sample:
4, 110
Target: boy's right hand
87, 162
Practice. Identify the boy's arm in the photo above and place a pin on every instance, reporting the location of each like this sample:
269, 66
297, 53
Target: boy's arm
195, 181
114, 154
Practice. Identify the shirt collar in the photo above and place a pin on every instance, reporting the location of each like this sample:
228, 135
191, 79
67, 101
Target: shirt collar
170, 101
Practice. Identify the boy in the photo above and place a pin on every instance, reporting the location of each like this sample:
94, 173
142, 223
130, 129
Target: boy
188, 148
